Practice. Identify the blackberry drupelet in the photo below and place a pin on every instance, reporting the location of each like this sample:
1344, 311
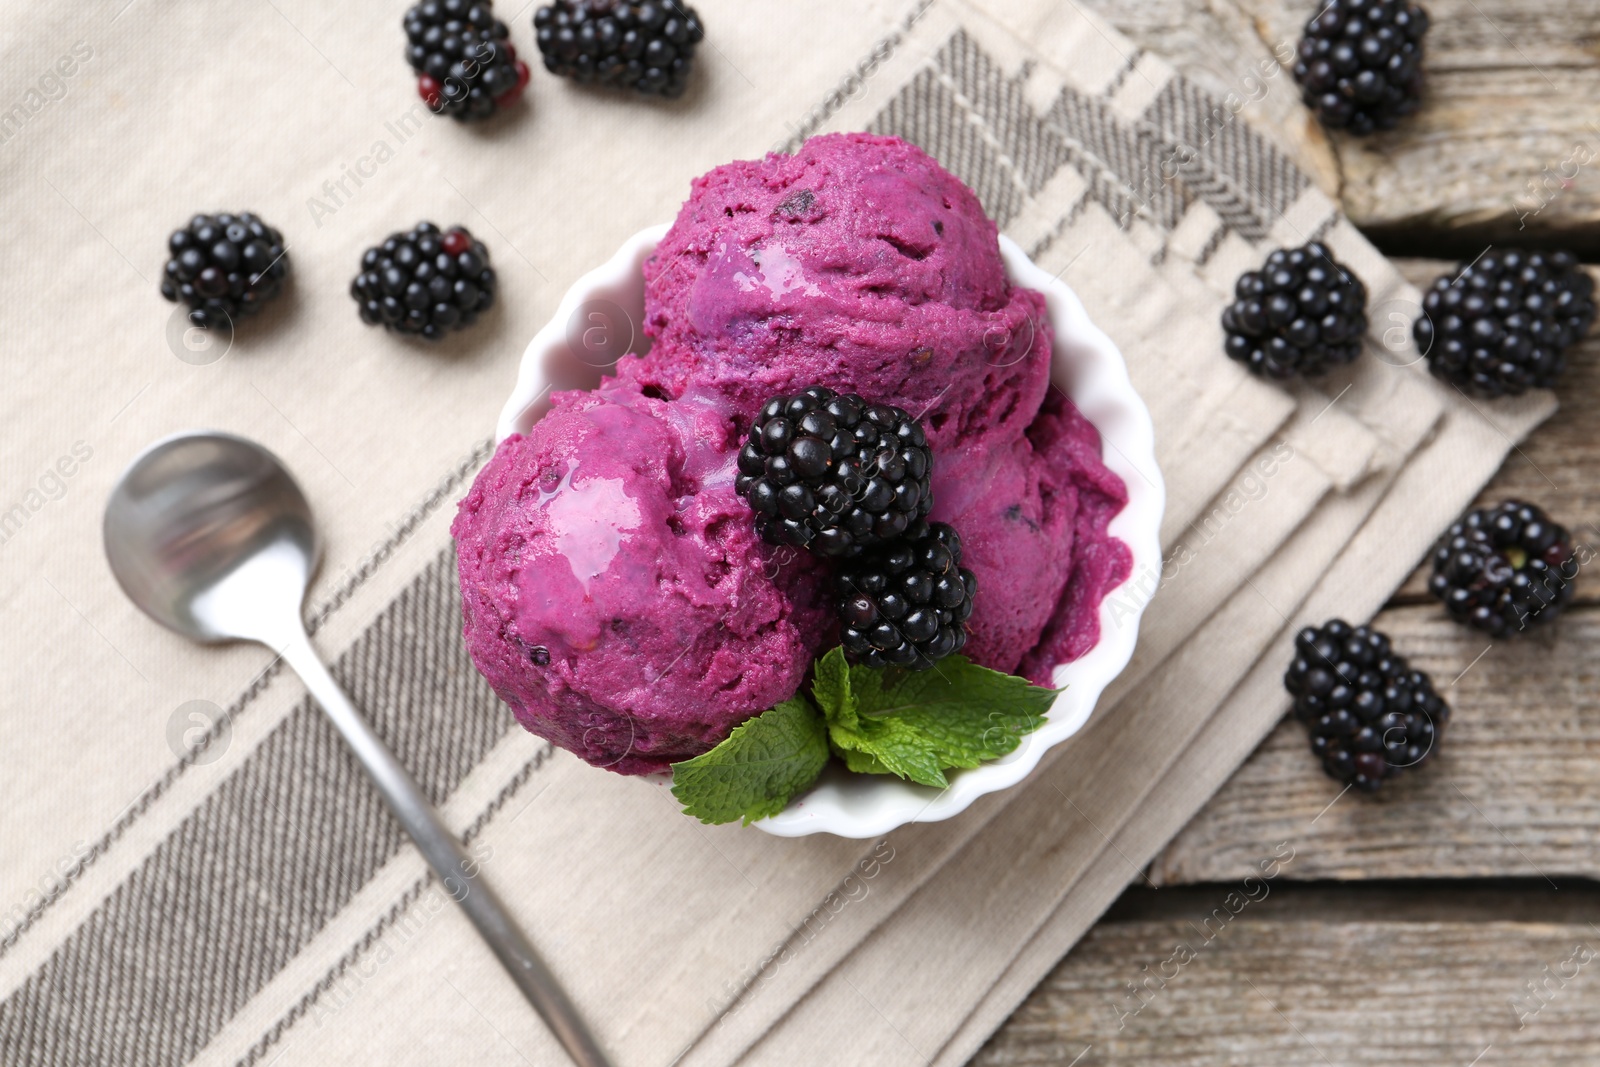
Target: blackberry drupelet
647, 47
1359, 63
1302, 313
224, 267
1503, 569
833, 473
466, 68
425, 282
1371, 716
1501, 325
906, 604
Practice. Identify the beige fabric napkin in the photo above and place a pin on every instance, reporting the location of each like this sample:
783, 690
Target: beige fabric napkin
195, 872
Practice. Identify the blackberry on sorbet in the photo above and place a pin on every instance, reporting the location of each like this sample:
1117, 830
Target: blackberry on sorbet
1359, 63
906, 604
1371, 715
647, 47
1504, 569
425, 282
834, 473
1502, 325
466, 67
224, 267
1302, 313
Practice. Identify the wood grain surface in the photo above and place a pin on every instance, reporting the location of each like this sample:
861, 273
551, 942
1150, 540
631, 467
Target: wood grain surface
1505, 149
1511, 790
1311, 983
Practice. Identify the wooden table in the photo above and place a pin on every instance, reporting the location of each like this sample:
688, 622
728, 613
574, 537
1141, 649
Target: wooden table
1453, 919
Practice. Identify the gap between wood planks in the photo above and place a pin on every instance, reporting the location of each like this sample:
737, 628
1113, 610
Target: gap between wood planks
1457, 900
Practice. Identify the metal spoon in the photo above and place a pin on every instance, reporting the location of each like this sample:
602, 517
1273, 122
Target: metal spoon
211, 537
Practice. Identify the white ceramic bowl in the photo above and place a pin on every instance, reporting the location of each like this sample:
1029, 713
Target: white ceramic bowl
596, 325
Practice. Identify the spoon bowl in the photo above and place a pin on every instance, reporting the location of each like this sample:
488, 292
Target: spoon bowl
202, 523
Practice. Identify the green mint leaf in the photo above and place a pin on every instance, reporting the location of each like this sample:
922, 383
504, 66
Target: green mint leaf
970, 713
860, 762
830, 686
918, 724
757, 768
889, 746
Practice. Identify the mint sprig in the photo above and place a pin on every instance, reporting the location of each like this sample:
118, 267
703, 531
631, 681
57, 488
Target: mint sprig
919, 724
757, 768
915, 725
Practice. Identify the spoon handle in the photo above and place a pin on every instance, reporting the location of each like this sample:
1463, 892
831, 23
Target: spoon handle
449, 860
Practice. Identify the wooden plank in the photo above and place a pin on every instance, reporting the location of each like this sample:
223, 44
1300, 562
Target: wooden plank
1510, 791
1555, 467
1505, 149
1310, 993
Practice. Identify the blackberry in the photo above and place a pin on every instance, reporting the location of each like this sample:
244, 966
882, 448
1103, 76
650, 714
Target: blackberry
1503, 569
906, 604
646, 47
1371, 716
1302, 313
425, 282
1359, 64
834, 473
466, 68
224, 267
1501, 325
